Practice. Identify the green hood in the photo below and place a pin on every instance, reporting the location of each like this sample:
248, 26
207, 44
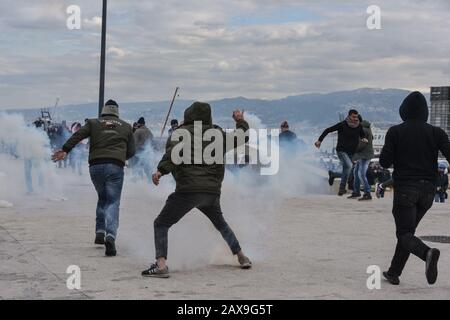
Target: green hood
365, 124
199, 111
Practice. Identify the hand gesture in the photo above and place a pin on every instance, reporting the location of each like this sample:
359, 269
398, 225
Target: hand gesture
59, 155
156, 177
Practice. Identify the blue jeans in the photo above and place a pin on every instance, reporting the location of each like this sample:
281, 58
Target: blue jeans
361, 176
108, 181
346, 168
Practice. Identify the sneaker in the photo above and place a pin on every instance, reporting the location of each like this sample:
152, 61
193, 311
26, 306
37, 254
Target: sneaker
245, 262
354, 196
99, 238
432, 265
394, 280
342, 192
365, 197
155, 272
110, 245
379, 190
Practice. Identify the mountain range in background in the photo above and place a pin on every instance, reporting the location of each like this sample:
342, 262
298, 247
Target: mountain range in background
315, 110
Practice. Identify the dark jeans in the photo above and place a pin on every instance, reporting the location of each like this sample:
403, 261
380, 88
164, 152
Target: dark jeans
178, 205
440, 197
411, 201
108, 181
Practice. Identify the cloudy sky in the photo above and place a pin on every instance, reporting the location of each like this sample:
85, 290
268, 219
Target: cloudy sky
218, 48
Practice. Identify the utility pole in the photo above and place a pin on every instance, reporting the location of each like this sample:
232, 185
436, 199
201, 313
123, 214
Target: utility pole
101, 99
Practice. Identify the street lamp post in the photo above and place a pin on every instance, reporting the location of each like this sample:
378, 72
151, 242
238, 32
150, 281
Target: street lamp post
101, 98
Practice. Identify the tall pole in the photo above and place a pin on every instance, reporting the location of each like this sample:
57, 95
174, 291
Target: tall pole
170, 110
101, 99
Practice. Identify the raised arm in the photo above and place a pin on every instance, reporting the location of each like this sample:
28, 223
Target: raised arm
334, 128
240, 136
329, 130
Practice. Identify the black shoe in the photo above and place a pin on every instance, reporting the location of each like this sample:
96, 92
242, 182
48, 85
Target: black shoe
342, 192
366, 197
354, 196
331, 178
110, 247
432, 265
394, 280
155, 272
100, 238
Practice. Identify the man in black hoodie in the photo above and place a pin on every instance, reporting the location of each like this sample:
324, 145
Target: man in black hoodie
413, 148
350, 133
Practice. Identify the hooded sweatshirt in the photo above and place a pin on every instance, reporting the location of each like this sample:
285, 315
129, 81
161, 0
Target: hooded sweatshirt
413, 146
193, 177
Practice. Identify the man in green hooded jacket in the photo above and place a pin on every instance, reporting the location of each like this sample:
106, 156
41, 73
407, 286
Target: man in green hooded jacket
198, 184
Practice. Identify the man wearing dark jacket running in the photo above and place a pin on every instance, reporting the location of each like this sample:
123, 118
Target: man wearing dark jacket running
350, 133
111, 145
413, 148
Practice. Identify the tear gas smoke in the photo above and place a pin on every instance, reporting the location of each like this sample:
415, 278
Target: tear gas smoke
25, 160
251, 203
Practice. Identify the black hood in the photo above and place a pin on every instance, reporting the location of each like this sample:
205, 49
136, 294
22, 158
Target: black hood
199, 111
414, 107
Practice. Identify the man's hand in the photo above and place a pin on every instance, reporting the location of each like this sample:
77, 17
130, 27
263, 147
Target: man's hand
318, 144
59, 155
156, 177
238, 115
365, 140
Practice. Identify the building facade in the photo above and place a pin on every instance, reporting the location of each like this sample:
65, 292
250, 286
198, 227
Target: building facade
440, 108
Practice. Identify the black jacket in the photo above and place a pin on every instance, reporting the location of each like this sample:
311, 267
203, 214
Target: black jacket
287, 136
348, 138
413, 146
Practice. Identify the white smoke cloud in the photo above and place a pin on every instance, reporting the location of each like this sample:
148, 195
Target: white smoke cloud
25, 150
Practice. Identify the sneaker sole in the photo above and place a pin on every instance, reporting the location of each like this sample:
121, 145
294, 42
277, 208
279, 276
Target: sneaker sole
246, 266
389, 280
432, 269
160, 276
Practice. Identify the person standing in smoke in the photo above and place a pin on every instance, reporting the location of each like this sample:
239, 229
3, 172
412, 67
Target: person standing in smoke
142, 138
173, 126
362, 157
197, 186
286, 135
413, 148
442, 183
111, 144
350, 133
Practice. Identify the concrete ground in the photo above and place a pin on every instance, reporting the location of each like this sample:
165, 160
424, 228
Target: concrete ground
304, 247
